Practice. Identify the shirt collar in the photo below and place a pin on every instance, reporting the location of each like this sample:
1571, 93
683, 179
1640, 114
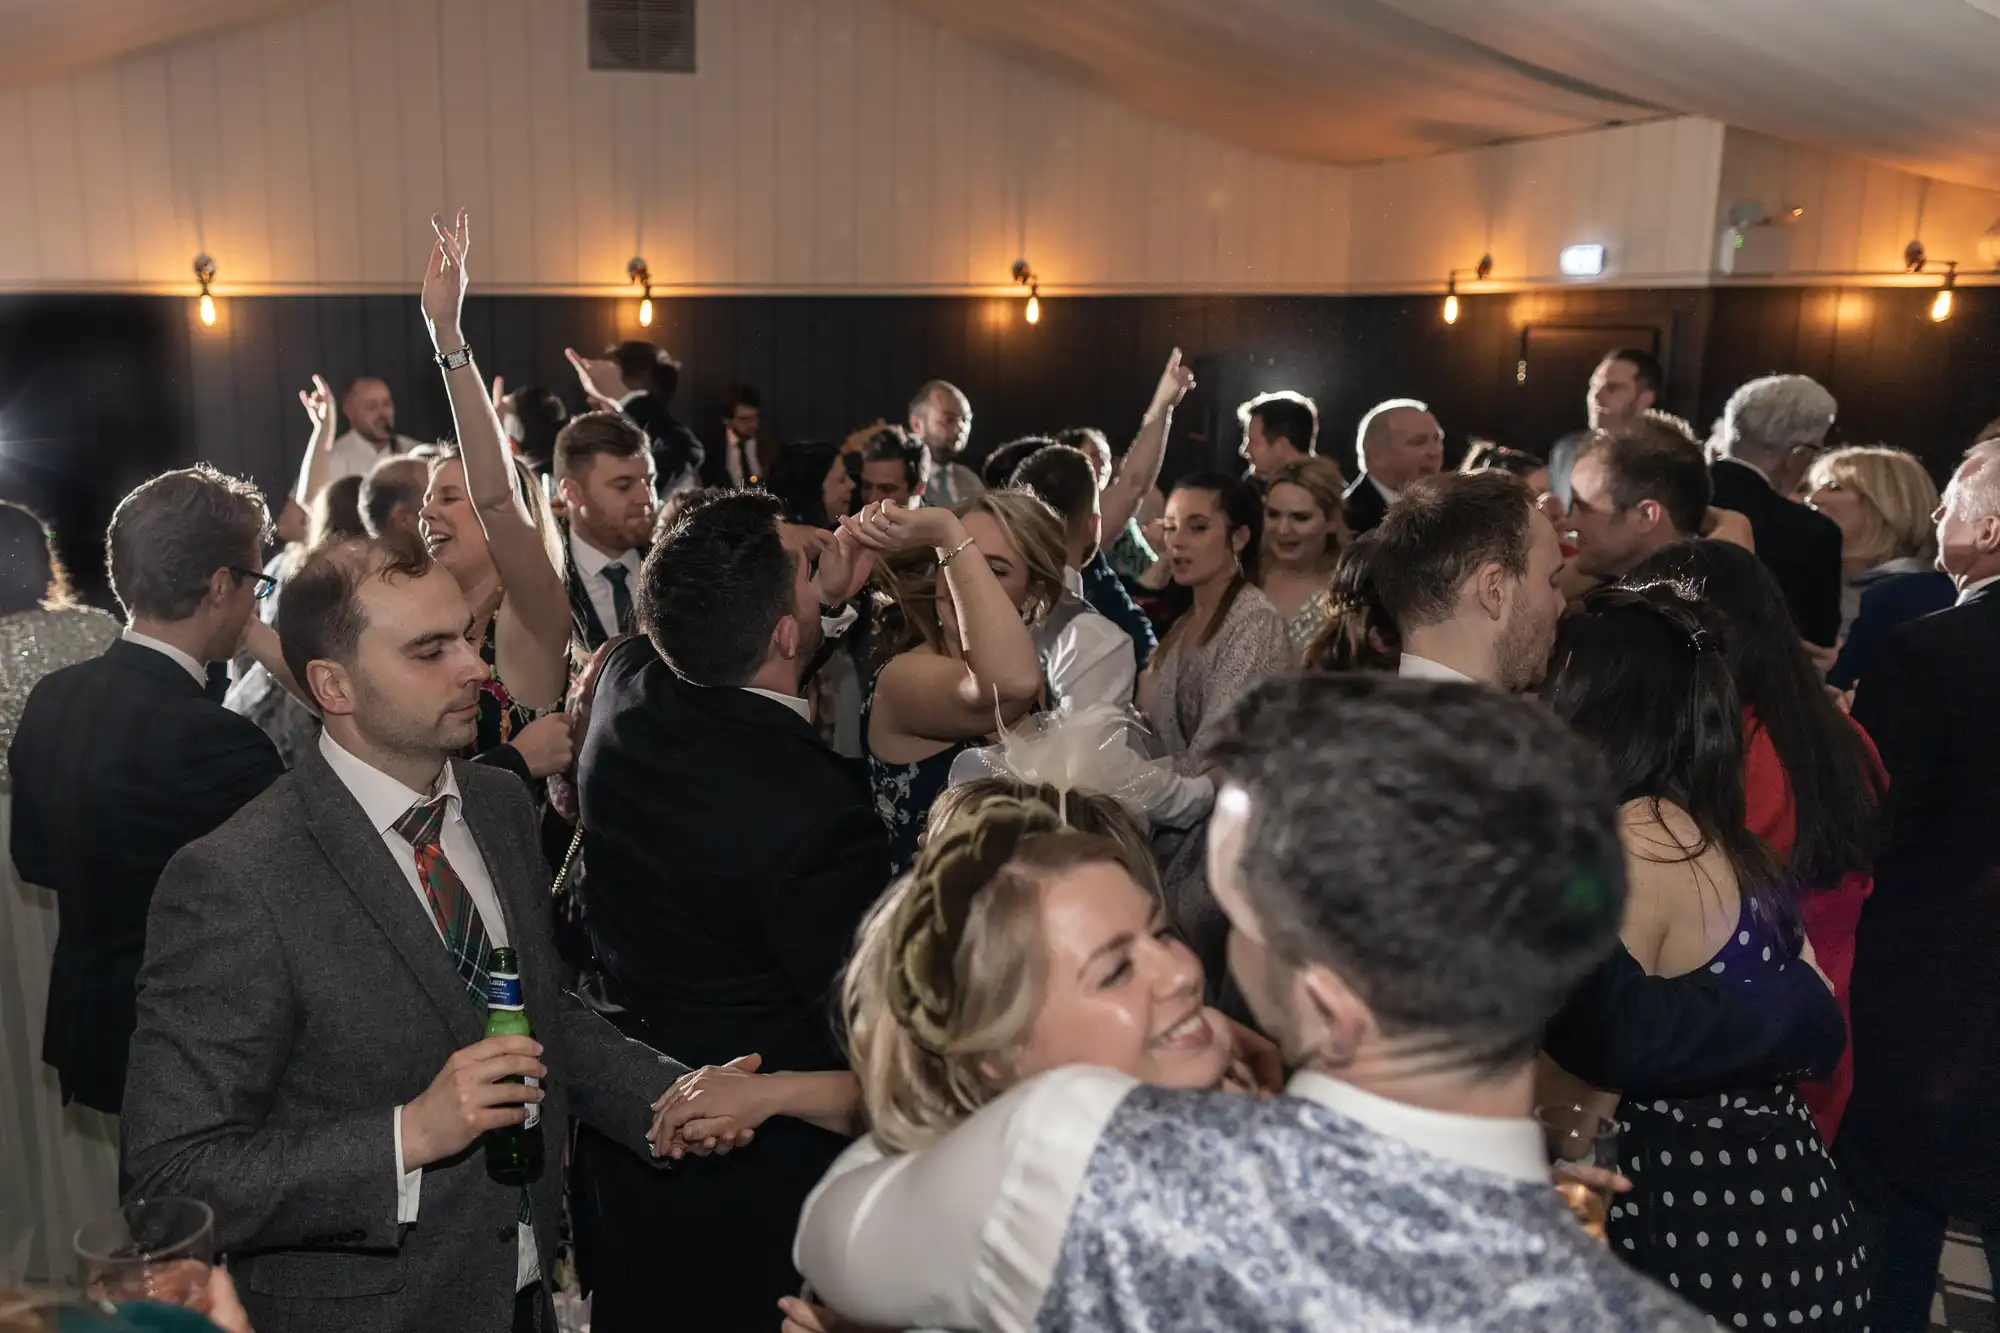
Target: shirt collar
1901, 564
626, 401
187, 663
1753, 469
383, 799
1972, 588
1412, 667
1510, 1148
1388, 496
1073, 580
791, 701
590, 560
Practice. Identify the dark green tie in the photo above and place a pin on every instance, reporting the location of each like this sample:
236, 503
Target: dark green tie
621, 599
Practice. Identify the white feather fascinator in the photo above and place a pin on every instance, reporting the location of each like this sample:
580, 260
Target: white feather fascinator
1097, 749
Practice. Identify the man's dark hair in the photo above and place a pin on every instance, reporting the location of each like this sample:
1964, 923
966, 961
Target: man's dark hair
336, 512
1648, 460
392, 484
541, 415
1443, 529
168, 537
740, 395
998, 469
591, 434
319, 612
892, 444
715, 587
646, 367
1063, 478
1452, 853
1645, 367
1284, 415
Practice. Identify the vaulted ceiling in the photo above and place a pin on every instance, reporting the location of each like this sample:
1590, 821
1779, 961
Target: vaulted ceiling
1910, 82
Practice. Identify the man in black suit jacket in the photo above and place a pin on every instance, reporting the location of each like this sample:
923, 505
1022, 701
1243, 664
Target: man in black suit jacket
310, 1058
1921, 1136
742, 459
120, 762
1771, 430
729, 857
605, 473
1397, 442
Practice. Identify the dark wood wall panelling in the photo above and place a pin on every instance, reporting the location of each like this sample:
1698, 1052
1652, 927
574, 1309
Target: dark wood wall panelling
97, 392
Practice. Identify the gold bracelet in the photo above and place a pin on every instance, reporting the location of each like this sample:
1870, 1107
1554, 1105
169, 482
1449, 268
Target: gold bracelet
945, 560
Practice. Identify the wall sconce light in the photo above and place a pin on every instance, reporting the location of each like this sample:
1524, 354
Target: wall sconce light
1028, 278
1913, 257
1480, 271
1941, 303
204, 273
637, 271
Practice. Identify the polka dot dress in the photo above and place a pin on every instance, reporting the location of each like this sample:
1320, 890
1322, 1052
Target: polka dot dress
1735, 1204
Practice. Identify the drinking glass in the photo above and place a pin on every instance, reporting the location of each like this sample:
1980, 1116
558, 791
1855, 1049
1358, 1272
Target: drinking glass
1577, 1136
148, 1250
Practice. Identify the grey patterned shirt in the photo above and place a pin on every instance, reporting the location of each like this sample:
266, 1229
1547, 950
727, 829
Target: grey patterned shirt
1081, 1200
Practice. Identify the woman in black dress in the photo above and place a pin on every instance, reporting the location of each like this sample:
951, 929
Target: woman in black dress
1735, 1203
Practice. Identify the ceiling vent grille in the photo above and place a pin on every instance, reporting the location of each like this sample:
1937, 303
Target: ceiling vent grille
643, 36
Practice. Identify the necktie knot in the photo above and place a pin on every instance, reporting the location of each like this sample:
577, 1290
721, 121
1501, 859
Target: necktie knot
420, 824
615, 575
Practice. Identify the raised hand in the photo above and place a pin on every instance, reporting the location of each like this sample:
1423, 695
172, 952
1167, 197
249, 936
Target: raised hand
889, 528
601, 381
844, 566
444, 281
1175, 381
857, 440
318, 403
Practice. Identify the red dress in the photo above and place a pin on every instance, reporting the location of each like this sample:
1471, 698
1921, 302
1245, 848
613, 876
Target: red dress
1830, 914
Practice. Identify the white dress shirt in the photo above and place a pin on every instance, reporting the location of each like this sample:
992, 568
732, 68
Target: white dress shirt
1090, 660
385, 801
791, 701
187, 663
968, 1233
353, 456
590, 567
1389, 497
1412, 667
1963, 597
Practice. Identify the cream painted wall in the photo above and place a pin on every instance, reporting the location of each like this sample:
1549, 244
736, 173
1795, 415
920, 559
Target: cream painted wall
824, 146
1858, 215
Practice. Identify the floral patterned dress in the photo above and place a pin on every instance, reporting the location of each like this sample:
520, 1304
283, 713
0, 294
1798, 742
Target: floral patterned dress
904, 793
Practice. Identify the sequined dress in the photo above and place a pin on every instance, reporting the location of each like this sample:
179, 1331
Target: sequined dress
34, 643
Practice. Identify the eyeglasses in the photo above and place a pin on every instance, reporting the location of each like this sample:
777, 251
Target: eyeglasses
266, 585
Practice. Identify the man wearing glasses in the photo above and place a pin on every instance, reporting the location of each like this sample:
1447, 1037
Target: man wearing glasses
121, 761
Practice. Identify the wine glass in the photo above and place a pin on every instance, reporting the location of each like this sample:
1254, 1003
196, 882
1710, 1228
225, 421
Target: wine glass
148, 1250
1577, 1136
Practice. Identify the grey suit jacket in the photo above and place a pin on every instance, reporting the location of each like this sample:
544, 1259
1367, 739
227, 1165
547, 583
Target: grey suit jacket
294, 992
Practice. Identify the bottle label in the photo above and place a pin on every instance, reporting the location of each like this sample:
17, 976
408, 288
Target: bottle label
534, 1108
503, 991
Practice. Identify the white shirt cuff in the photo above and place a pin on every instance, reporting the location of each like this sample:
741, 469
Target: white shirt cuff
409, 1184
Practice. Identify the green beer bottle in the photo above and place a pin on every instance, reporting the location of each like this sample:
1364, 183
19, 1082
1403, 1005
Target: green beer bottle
513, 1152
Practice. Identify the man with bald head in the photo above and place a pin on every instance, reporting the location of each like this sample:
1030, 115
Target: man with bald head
941, 421
371, 435
1398, 442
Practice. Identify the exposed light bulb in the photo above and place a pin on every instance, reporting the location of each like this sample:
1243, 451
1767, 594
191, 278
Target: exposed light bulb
1451, 308
1034, 308
1941, 305
208, 310
646, 311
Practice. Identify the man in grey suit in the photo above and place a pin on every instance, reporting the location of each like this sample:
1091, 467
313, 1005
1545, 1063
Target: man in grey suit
309, 1058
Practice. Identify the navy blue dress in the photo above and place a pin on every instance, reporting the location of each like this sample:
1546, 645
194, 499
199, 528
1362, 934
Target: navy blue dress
904, 793
1735, 1204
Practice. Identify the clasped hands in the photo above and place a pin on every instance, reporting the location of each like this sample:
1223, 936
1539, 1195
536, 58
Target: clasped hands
710, 1111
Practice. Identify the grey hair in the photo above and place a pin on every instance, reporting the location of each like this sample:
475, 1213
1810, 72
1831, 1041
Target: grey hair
1768, 418
1980, 493
1364, 434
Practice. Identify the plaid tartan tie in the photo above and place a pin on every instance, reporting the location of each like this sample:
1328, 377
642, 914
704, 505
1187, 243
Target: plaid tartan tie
457, 918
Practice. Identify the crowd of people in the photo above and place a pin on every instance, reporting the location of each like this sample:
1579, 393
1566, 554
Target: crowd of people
1028, 895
